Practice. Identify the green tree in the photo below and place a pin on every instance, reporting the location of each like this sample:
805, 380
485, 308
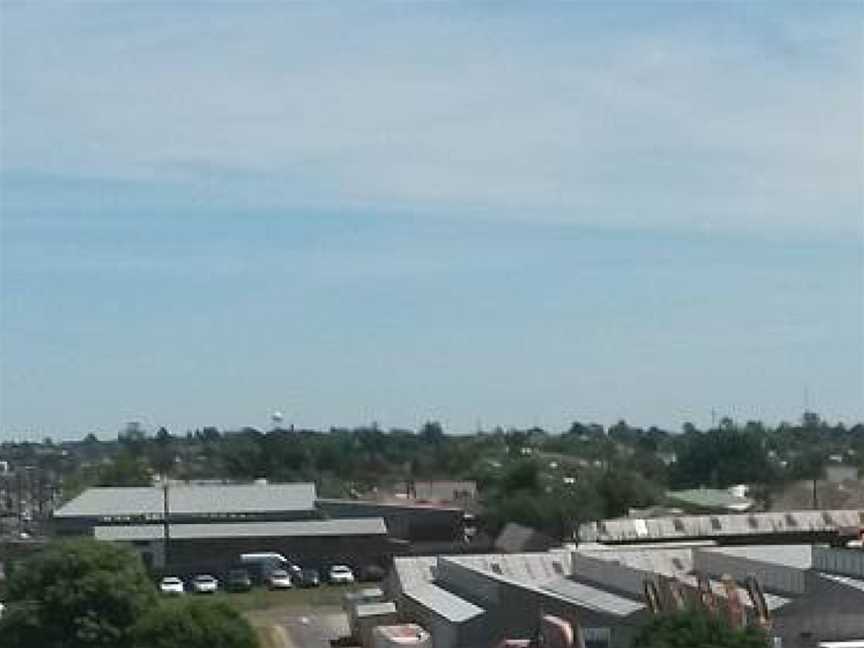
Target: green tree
125, 470
696, 630
432, 433
81, 594
162, 453
193, 624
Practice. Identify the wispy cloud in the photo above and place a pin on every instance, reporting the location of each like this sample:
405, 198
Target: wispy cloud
713, 118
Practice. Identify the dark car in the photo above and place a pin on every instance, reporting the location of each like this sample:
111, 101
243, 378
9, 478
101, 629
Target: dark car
373, 573
238, 580
308, 578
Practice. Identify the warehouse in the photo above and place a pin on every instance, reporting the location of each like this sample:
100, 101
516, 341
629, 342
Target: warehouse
451, 620
812, 594
477, 600
185, 504
419, 524
751, 528
211, 525
196, 548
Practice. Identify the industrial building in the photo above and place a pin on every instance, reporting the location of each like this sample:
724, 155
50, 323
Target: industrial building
211, 525
812, 526
212, 548
416, 523
812, 594
185, 504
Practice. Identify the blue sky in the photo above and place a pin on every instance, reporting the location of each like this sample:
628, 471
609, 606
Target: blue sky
482, 213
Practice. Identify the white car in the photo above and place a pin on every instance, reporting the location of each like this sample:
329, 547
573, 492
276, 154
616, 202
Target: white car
2, 607
279, 579
341, 575
204, 584
171, 585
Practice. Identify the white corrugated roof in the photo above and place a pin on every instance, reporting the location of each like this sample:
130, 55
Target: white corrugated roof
592, 598
532, 567
796, 556
303, 528
701, 526
414, 571
190, 500
444, 603
670, 561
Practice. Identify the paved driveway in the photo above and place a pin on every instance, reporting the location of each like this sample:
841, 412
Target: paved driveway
315, 630
303, 627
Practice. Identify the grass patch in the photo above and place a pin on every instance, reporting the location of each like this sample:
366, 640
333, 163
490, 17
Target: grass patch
262, 599
267, 638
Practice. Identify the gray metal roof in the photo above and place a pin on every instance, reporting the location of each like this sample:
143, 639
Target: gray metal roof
592, 598
529, 567
414, 571
846, 581
701, 526
675, 562
191, 500
670, 561
303, 528
796, 556
374, 609
443, 603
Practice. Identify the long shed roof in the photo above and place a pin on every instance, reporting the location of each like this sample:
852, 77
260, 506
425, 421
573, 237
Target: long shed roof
302, 528
444, 603
219, 499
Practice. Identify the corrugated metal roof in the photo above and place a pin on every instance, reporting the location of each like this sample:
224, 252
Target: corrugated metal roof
191, 500
530, 567
675, 562
672, 561
444, 603
702, 526
592, 598
414, 571
303, 528
796, 556
846, 581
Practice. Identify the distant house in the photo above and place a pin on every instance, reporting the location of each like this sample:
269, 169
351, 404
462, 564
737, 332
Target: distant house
710, 500
837, 474
444, 491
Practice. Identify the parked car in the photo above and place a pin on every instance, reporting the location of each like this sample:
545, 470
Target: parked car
279, 579
204, 584
171, 585
340, 575
308, 578
2, 608
238, 580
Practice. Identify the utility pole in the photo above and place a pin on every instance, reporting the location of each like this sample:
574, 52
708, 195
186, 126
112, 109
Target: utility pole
166, 525
18, 495
815, 498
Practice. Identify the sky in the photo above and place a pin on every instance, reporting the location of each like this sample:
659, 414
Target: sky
486, 214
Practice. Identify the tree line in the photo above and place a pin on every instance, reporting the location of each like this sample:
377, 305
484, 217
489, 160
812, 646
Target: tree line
550, 481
